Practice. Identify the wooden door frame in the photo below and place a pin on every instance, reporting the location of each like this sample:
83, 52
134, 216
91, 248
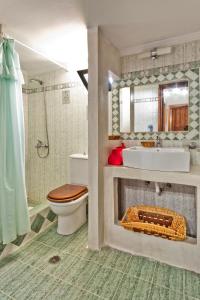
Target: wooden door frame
161, 105
170, 112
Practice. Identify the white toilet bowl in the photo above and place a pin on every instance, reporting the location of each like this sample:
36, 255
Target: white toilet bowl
68, 201
71, 215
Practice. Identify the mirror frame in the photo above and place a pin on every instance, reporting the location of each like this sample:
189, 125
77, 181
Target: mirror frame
160, 75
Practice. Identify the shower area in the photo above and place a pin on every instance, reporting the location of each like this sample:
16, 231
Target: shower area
56, 125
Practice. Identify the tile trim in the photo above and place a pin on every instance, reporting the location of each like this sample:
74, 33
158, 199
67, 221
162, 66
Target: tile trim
189, 71
54, 87
38, 224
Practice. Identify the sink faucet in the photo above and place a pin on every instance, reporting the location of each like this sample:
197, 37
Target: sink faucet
158, 141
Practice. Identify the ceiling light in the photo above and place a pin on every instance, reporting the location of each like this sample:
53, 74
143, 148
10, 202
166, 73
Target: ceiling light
155, 53
110, 79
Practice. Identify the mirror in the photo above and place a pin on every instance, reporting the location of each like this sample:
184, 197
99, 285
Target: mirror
155, 107
125, 110
173, 103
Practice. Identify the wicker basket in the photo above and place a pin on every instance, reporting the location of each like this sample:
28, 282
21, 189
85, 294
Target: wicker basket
155, 220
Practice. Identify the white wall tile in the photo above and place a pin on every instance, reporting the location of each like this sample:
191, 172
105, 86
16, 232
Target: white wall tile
67, 125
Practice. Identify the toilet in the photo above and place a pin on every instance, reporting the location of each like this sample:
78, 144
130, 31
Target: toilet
68, 201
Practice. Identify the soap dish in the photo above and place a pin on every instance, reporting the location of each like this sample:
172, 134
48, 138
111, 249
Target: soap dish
148, 144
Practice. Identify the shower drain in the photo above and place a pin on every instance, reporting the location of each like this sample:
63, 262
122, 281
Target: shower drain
54, 259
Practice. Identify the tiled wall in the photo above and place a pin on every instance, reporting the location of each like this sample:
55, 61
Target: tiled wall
67, 125
25, 102
39, 221
145, 113
181, 54
179, 198
158, 75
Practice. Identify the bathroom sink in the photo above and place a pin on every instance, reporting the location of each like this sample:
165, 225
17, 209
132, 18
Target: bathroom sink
160, 159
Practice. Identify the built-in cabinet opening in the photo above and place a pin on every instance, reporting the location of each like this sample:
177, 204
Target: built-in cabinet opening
176, 197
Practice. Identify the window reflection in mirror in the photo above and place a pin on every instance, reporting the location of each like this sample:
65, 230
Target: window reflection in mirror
125, 110
146, 108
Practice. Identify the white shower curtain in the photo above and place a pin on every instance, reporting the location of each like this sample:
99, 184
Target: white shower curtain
14, 217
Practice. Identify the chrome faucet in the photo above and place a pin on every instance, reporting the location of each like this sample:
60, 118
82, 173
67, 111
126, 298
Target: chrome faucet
158, 141
192, 146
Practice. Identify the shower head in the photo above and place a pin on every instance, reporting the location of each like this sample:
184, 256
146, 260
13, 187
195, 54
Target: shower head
32, 80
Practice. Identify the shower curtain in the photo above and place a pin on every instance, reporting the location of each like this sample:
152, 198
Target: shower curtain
14, 217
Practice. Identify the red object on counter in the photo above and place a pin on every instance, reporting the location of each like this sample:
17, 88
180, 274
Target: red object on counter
115, 157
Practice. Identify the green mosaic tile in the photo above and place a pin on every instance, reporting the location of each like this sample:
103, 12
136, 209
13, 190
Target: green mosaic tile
132, 288
189, 298
36, 287
112, 258
85, 274
49, 237
19, 240
51, 216
68, 291
68, 243
169, 277
97, 256
160, 293
3, 296
84, 295
37, 223
84, 252
64, 291
104, 282
2, 247
16, 277
192, 284
81, 271
64, 242
72, 242
9, 262
141, 267
106, 256
41, 261
37, 255
59, 269
118, 260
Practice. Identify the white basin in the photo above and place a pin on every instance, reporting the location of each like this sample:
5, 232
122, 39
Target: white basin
160, 159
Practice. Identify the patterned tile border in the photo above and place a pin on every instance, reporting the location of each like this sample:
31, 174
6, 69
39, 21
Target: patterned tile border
158, 75
39, 222
49, 88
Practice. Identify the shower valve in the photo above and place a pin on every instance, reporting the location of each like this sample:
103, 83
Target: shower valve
40, 144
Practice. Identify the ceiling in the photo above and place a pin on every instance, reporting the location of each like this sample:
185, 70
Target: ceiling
54, 28
33, 63
58, 28
130, 24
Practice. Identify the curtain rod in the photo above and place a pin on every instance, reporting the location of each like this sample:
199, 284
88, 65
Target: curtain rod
41, 54
30, 48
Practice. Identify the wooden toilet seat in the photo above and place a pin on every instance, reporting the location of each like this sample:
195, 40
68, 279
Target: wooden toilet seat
67, 193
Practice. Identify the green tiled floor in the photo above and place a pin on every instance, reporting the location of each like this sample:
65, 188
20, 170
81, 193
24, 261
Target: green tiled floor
84, 274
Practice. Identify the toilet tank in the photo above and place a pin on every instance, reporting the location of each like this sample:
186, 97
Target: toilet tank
78, 169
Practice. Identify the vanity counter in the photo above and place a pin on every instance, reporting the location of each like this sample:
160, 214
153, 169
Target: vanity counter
190, 178
184, 254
